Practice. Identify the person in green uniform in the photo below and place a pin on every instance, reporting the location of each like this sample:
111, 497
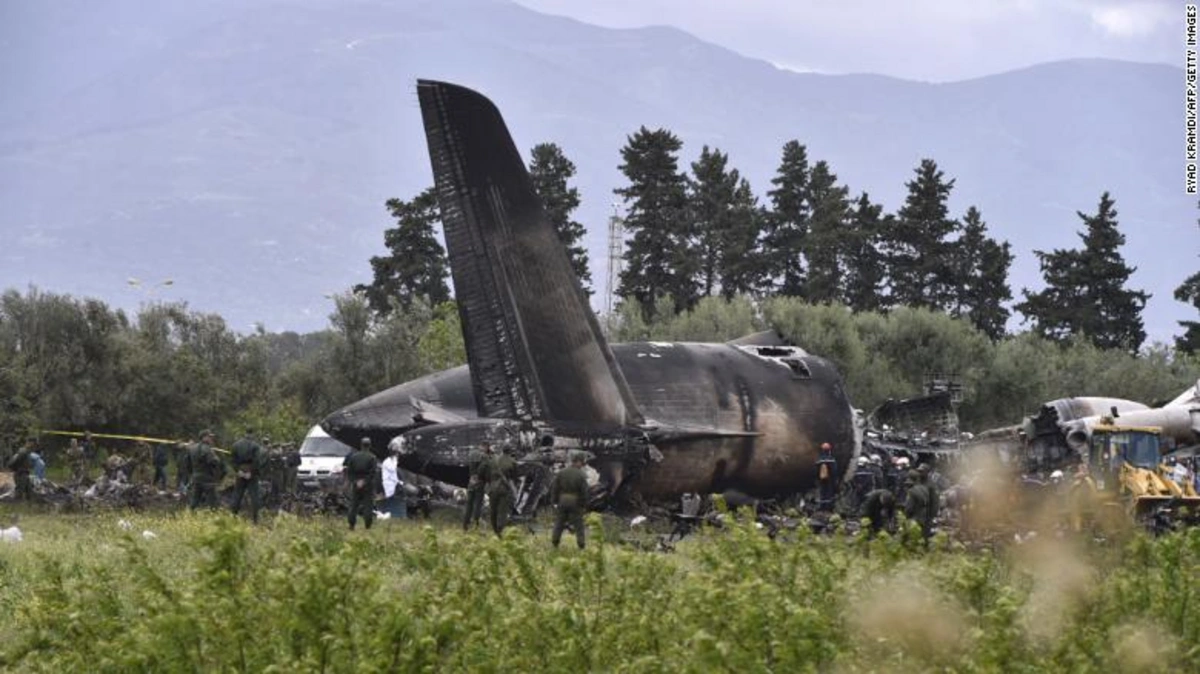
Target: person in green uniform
21, 465
207, 471
477, 464
880, 508
360, 468
916, 503
500, 490
569, 493
247, 466
78, 462
925, 475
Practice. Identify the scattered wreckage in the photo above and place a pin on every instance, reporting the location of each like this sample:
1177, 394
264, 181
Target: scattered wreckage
1131, 457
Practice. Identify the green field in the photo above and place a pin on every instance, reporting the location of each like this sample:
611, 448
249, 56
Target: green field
210, 593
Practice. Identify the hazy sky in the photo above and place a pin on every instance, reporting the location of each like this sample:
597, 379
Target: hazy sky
934, 40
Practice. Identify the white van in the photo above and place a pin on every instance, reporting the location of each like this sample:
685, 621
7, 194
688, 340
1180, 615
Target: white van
321, 460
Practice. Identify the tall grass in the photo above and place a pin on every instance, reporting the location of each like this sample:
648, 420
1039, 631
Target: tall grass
210, 593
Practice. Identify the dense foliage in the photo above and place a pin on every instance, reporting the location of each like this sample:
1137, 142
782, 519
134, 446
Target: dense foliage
212, 594
72, 364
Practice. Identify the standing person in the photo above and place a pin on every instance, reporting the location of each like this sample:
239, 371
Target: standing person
291, 462
21, 465
826, 478
500, 489
477, 463
78, 462
162, 458
90, 452
916, 503
864, 482
926, 476
393, 487
360, 467
877, 472
569, 494
183, 467
247, 458
207, 471
275, 476
39, 467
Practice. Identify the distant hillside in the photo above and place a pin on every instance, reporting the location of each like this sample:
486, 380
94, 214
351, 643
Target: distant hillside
245, 150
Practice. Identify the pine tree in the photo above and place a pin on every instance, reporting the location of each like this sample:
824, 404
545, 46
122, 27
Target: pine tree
824, 246
710, 207
787, 221
865, 271
917, 245
724, 211
660, 258
1085, 290
1189, 291
981, 269
415, 265
550, 171
745, 269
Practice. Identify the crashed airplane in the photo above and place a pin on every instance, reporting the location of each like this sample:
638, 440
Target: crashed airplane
657, 419
1061, 429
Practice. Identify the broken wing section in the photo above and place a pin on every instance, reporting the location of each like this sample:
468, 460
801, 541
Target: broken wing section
534, 347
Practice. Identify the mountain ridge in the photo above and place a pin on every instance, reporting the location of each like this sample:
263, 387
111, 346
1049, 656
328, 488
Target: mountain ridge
268, 140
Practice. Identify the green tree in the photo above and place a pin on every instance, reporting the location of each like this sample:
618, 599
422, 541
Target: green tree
1189, 291
415, 266
824, 246
724, 212
917, 245
1085, 291
981, 267
660, 257
550, 171
864, 264
745, 266
787, 221
441, 345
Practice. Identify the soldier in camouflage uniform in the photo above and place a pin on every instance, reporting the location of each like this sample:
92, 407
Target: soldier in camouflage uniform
21, 465
183, 467
78, 462
500, 490
360, 469
207, 471
569, 494
247, 466
477, 483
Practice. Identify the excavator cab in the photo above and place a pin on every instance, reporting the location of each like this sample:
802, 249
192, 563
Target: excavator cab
1126, 463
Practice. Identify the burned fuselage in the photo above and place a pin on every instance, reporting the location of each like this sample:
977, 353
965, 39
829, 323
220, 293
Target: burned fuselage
657, 419
718, 417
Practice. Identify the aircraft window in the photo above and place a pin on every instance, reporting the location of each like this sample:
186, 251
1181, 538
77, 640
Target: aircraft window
799, 369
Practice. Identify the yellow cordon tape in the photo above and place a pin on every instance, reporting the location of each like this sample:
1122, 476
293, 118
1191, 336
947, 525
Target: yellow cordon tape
135, 438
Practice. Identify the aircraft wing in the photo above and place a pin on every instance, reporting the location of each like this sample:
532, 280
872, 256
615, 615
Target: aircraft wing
533, 344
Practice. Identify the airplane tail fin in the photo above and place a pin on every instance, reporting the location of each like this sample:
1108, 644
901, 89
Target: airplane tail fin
533, 344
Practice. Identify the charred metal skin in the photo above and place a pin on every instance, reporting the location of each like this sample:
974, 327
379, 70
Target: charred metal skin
722, 417
657, 419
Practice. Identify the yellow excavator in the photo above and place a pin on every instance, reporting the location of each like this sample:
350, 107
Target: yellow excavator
1127, 468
